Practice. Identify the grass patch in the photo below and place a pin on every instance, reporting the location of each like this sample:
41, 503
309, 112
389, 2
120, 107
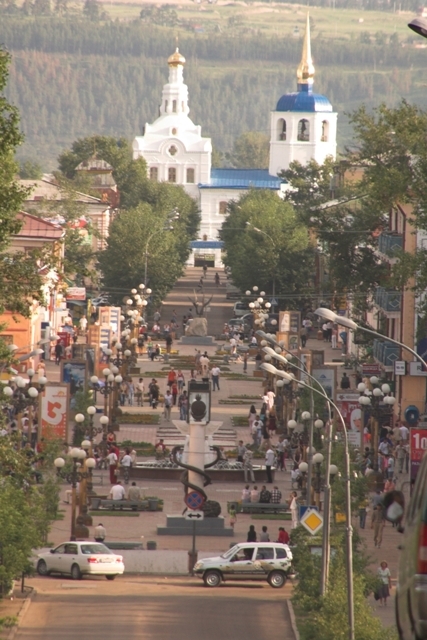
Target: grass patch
271, 516
244, 397
239, 421
8, 622
122, 514
241, 376
240, 402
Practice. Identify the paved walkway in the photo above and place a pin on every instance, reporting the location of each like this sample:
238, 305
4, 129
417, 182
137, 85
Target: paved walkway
132, 528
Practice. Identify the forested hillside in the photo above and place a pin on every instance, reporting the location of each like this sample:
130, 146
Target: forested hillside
72, 78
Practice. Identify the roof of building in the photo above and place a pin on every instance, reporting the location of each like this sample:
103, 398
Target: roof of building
47, 190
207, 244
242, 179
304, 100
94, 164
35, 227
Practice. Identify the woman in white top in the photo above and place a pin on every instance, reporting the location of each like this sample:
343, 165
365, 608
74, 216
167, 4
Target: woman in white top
252, 416
384, 575
293, 507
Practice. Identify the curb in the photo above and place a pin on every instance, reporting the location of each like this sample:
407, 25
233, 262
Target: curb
25, 606
293, 620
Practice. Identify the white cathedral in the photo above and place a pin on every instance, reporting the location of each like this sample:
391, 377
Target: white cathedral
302, 127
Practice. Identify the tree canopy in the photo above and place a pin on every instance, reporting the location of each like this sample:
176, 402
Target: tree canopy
280, 253
250, 151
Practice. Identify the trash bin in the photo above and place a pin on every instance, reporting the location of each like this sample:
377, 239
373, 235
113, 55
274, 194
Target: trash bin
151, 545
153, 504
192, 559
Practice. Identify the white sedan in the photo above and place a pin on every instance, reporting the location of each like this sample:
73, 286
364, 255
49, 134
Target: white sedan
80, 558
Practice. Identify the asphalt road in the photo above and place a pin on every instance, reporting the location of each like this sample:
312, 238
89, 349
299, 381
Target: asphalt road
133, 608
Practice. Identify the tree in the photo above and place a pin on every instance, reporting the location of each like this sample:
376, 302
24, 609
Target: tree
30, 170
281, 256
250, 151
123, 261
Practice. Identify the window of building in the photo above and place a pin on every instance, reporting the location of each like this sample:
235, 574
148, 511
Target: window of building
174, 131
205, 237
174, 106
190, 176
172, 151
303, 130
325, 131
154, 173
171, 174
223, 207
281, 129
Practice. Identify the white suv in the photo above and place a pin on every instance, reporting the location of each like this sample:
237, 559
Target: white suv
270, 561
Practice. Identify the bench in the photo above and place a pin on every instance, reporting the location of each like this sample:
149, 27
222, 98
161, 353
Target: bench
119, 505
264, 507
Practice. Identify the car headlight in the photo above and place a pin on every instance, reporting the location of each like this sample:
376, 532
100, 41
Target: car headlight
198, 566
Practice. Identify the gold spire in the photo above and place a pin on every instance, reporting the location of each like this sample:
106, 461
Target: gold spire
176, 59
305, 71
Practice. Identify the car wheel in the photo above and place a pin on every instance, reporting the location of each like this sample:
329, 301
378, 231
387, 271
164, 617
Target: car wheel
212, 578
42, 568
276, 579
111, 577
76, 574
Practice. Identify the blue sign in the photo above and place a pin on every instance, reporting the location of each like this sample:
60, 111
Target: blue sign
194, 500
303, 508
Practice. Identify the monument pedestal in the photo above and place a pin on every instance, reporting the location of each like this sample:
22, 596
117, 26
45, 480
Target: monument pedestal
179, 526
203, 341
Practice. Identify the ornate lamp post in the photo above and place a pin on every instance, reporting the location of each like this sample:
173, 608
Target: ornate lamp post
73, 477
112, 382
25, 397
259, 308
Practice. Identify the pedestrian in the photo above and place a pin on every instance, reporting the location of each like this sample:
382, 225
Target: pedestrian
334, 336
264, 495
343, 336
303, 337
134, 493
245, 362
112, 465
264, 536
183, 405
400, 455
255, 494
247, 466
117, 492
171, 377
293, 508
233, 516
252, 416
204, 364
83, 325
168, 341
246, 494
280, 454
241, 450
130, 391
345, 381
384, 576
363, 509
251, 534
283, 537
269, 462
154, 392
276, 495
272, 421
377, 524
180, 381
99, 533
139, 392
167, 405
215, 372
174, 391
59, 352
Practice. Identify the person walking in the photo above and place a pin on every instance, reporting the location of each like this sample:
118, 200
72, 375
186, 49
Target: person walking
180, 381
139, 392
303, 337
183, 405
99, 533
363, 510
112, 459
233, 516
245, 362
167, 404
83, 325
269, 462
293, 508
384, 575
247, 466
345, 381
377, 524
252, 416
59, 352
215, 372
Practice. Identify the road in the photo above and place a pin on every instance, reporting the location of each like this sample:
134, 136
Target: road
154, 608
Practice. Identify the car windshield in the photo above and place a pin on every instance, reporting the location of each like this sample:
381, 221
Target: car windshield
89, 549
229, 553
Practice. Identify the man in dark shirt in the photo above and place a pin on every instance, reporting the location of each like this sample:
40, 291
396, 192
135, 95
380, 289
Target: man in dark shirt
264, 495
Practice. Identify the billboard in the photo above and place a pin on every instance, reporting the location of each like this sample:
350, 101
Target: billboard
326, 376
53, 411
417, 448
348, 404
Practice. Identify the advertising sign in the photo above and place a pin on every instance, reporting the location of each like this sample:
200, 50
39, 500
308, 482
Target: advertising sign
53, 411
74, 372
326, 377
348, 404
76, 293
418, 446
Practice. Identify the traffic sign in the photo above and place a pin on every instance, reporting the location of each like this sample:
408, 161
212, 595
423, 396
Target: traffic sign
194, 500
273, 302
312, 521
194, 515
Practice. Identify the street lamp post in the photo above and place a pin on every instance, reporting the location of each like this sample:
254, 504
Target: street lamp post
174, 215
349, 528
264, 233
73, 477
25, 396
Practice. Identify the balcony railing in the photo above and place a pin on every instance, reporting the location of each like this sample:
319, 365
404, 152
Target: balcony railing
389, 301
386, 352
390, 244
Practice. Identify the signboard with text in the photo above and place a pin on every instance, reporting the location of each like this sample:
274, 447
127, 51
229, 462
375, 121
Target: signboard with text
76, 293
53, 411
418, 446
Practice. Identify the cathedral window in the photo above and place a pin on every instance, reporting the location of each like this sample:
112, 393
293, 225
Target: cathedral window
325, 131
190, 176
303, 130
172, 151
171, 174
154, 174
174, 106
174, 131
223, 207
281, 129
